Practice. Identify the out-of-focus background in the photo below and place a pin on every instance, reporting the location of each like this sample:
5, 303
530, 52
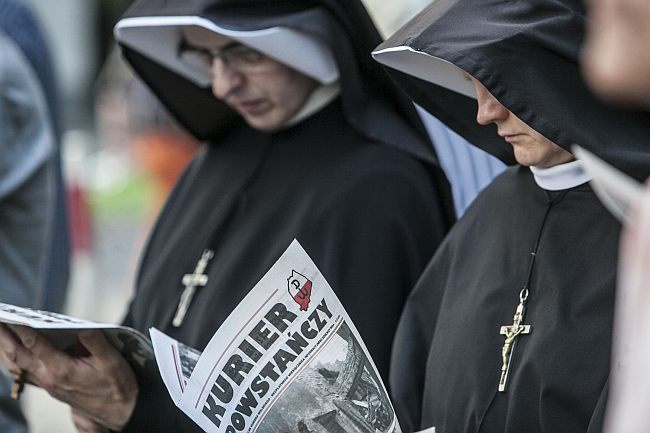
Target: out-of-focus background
120, 155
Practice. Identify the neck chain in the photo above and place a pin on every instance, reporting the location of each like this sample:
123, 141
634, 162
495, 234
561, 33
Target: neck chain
512, 332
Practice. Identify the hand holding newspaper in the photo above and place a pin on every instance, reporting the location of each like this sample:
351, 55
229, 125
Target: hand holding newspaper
288, 358
61, 331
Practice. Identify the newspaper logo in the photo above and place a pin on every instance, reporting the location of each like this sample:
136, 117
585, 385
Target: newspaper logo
299, 288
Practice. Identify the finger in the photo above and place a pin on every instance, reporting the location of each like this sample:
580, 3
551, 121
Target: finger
8, 343
96, 344
16, 356
104, 357
43, 364
10, 369
39, 346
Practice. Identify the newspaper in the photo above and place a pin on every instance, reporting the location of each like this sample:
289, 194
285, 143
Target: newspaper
287, 359
61, 331
618, 192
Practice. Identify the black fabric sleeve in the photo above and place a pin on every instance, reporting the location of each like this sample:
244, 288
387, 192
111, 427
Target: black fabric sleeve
412, 345
154, 410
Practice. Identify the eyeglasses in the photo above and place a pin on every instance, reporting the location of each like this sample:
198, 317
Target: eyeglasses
234, 55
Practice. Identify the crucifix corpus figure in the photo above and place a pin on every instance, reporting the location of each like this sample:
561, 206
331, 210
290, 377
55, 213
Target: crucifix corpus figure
511, 332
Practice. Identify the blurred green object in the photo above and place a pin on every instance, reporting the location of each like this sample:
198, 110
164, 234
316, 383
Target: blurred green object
127, 199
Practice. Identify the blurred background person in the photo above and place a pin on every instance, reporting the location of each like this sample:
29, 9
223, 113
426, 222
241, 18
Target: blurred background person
26, 143
617, 65
34, 247
616, 52
105, 214
20, 25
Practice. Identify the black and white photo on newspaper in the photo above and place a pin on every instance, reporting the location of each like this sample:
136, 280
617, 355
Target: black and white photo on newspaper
287, 359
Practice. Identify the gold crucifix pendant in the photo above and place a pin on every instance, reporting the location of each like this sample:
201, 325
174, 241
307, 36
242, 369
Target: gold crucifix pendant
511, 332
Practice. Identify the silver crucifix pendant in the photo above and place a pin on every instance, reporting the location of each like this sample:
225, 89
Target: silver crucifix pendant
191, 283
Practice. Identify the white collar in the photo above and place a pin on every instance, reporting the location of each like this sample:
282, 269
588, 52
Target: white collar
560, 177
319, 98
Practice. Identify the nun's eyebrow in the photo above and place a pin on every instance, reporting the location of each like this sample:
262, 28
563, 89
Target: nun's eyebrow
185, 45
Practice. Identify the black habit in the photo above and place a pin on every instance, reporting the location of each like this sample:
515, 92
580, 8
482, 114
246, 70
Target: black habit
560, 245
355, 183
447, 357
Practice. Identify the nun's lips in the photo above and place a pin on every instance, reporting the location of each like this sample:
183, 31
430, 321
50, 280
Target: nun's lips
251, 106
511, 137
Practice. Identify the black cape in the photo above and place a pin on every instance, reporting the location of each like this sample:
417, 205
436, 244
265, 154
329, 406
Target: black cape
358, 188
447, 355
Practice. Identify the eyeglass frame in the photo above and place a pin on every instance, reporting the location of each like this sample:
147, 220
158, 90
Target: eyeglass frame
222, 53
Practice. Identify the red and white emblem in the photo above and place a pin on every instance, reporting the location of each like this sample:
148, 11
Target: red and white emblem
299, 288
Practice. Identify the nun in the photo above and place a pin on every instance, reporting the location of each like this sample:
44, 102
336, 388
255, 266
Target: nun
306, 138
509, 328
26, 203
